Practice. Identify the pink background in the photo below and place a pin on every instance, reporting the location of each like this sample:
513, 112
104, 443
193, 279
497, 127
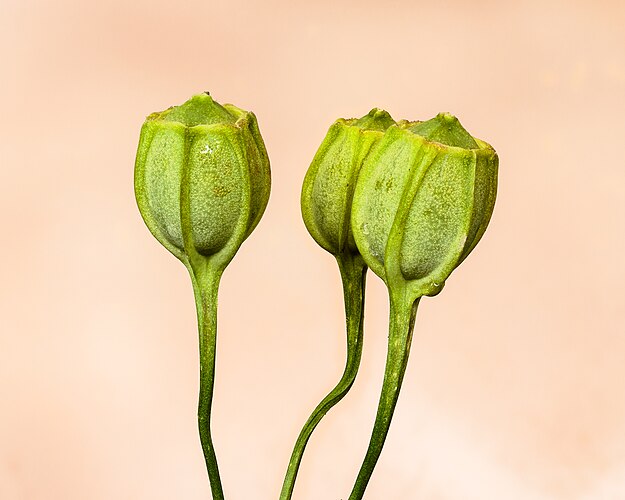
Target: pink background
516, 384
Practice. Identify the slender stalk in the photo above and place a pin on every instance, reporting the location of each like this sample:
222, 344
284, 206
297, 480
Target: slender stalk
353, 273
401, 325
205, 286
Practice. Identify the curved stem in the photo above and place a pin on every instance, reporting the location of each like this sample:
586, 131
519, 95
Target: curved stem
205, 286
353, 273
401, 325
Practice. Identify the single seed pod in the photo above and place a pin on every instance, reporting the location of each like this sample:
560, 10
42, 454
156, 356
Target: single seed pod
329, 184
202, 178
424, 197
202, 183
326, 201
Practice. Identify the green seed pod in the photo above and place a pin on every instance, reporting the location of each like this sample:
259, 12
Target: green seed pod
424, 197
202, 183
202, 177
329, 184
327, 195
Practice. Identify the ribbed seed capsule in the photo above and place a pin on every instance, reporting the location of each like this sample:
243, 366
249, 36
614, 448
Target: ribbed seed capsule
329, 184
202, 183
202, 177
327, 195
423, 200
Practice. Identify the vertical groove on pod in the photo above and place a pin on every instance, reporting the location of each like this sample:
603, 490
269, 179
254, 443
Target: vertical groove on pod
473, 231
223, 257
185, 200
248, 214
392, 252
141, 197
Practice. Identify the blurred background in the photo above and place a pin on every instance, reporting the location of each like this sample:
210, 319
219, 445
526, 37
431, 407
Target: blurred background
516, 382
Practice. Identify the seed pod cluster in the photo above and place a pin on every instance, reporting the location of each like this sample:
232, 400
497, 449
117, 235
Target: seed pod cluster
419, 196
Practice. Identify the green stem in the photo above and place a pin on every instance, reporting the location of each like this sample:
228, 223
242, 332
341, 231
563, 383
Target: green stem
205, 286
401, 324
353, 273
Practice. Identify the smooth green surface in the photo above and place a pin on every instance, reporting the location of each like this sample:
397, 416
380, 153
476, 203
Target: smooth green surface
424, 196
202, 183
205, 288
353, 275
401, 324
